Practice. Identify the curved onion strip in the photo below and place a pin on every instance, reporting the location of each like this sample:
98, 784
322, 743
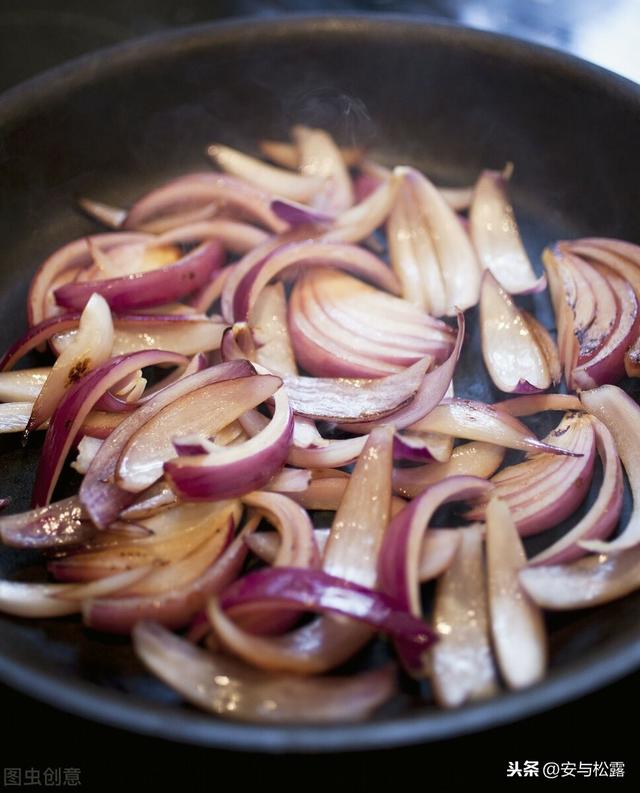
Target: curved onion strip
235, 470
57, 525
23, 385
270, 332
205, 411
36, 335
74, 256
496, 238
457, 259
469, 459
90, 348
517, 624
465, 418
289, 481
563, 296
546, 344
346, 400
528, 405
103, 499
198, 190
88, 447
298, 547
288, 156
602, 518
174, 608
235, 236
361, 520
317, 591
74, 407
399, 555
297, 186
543, 491
319, 157
432, 389
228, 688
132, 259
510, 351
309, 253
592, 581
621, 415
152, 288
111, 216
462, 667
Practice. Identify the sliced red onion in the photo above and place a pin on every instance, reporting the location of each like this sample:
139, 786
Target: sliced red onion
23, 385
431, 391
87, 450
458, 262
174, 608
317, 591
205, 410
517, 624
320, 158
469, 459
157, 498
496, 238
234, 471
35, 336
604, 514
75, 406
476, 421
297, 186
140, 257
230, 689
511, 352
90, 348
400, 552
152, 288
270, 332
57, 525
289, 481
417, 449
592, 581
354, 400
199, 190
288, 156
236, 237
537, 403
462, 667
103, 499
543, 491
296, 214
310, 253
72, 257
620, 414
547, 346
110, 216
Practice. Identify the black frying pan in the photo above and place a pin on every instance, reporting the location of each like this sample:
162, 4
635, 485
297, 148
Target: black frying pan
447, 99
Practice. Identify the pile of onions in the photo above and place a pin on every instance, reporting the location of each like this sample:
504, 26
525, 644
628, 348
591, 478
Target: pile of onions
236, 358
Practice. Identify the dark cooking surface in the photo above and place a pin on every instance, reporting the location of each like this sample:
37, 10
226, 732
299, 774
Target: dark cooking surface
580, 713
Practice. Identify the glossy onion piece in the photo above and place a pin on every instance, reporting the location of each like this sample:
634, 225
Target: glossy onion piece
476, 421
174, 608
537, 403
420, 447
235, 236
184, 199
309, 254
101, 497
543, 491
496, 238
140, 257
35, 336
604, 514
592, 581
204, 411
341, 327
317, 591
462, 666
433, 388
511, 352
517, 624
151, 288
398, 565
57, 525
457, 259
75, 406
64, 263
110, 216
621, 415
23, 385
235, 470
91, 347
357, 400
270, 332
288, 156
230, 689
297, 186
361, 519
320, 158
469, 459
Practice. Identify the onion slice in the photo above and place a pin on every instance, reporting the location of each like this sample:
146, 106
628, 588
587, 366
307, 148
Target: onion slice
496, 238
23, 385
517, 624
230, 689
621, 415
57, 525
320, 158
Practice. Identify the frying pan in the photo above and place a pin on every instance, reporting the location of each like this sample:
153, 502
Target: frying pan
449, 100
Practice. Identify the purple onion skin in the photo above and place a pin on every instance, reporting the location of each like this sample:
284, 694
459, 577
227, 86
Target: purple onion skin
153, 288
298, 215
230, 480
37, 334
